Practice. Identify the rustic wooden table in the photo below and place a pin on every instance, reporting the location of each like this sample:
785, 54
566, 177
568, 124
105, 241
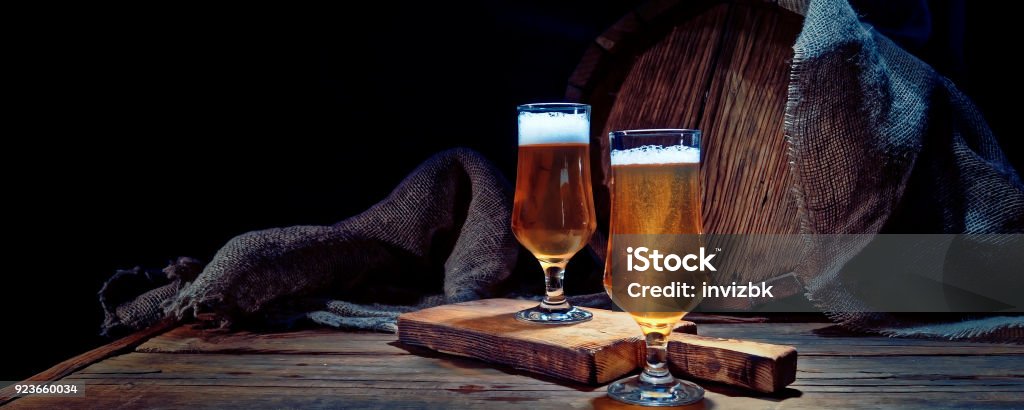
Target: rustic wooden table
187, 367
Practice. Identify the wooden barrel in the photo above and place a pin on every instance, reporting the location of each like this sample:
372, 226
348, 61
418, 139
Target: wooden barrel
721, 67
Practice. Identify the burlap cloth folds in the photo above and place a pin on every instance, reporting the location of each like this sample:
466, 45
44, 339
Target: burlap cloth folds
441, 236
879, 143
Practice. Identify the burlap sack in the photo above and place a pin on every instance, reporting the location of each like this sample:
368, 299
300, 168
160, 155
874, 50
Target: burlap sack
442, 236
881, 143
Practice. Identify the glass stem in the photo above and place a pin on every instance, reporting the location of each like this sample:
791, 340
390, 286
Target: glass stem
656, 366
554, 272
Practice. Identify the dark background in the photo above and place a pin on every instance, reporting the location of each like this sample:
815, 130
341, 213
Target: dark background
151, 133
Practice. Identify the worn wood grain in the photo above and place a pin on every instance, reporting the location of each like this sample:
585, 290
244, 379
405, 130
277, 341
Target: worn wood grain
391, 375
194, 339
904, 374
597, 351
746, 166
817, 339
75, 363
145, 395
762, 367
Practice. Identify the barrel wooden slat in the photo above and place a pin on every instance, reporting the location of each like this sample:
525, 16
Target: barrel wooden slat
746, 164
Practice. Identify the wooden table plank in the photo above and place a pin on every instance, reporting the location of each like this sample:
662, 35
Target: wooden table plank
190, 338
213, 367
835, 343
75, 363
144, 395
194, 368
193, 339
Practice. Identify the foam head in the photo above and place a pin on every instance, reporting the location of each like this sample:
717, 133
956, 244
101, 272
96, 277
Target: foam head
553, 128
655, 154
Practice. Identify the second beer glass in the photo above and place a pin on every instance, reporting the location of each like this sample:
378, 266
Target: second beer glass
655, 203
553, 213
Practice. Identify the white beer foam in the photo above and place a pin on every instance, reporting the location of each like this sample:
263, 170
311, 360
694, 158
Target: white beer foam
553, 128
654, 154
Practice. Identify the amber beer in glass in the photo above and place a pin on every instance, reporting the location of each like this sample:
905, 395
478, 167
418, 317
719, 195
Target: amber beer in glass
553, 213
655, 190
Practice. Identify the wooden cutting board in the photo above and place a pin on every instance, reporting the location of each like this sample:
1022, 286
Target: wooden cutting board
594, 352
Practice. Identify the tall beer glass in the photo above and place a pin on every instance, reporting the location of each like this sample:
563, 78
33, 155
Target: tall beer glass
655, 190
553, 215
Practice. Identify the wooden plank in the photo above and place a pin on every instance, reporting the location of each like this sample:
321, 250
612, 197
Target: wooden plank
240, 397
413, 380
226, 381
921, 368
762, 367
385, 374
745, 151
271, 368
75, 363
194, 339
144, 395
597, 351
809, 343
235, 397
321, 341
444, 368
827, 374
745, 148
1003, 384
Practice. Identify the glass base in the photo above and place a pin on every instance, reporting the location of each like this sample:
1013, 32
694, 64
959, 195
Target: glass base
539, 314
632, 391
